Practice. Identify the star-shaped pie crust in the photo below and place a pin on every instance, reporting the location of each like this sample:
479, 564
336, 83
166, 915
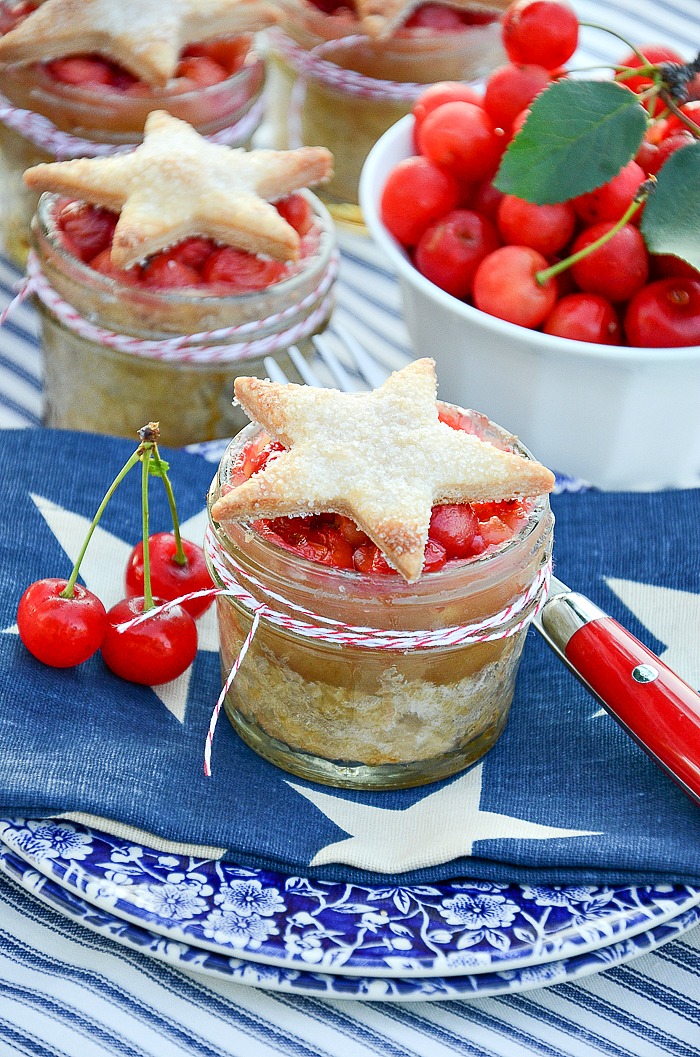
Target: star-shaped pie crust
382, 458
144, 36
177, 184
381, 18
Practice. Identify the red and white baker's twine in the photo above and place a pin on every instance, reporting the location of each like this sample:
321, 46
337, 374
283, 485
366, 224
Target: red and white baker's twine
42, 132
338, 633
192, 348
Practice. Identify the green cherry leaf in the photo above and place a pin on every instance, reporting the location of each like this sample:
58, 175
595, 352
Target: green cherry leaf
578, 135
671, 219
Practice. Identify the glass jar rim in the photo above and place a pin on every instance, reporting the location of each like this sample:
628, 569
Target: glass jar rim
340, 578
45, 221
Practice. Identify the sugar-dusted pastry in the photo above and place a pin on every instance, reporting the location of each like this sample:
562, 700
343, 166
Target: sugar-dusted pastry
382, 458
177, 184
145, 37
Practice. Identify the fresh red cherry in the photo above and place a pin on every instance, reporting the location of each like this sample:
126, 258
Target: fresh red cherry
545, 228
169, 579
510, 89
154, 652
415, 194
451, 249
665, 314
61, 632
610, 201
618, 268
505, 286
461, 138
443, 92
544, 32
584, 317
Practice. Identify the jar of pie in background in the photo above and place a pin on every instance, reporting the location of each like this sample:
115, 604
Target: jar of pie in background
361, 716
330, 83
44, 118
92, 384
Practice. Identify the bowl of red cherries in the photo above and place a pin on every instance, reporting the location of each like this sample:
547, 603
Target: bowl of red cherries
545, 230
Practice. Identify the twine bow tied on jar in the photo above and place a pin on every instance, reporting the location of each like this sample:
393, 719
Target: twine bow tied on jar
502, 625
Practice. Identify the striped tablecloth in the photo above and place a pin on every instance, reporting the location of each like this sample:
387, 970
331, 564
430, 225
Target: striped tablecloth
66, 991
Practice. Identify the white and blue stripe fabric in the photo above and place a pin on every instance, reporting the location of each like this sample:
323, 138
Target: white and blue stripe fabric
68, 992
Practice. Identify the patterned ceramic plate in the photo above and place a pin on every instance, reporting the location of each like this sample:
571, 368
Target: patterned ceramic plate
324, 985
438, 930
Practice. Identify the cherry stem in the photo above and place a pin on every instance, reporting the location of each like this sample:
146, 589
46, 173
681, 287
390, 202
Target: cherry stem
675, 109
638, 201
606, 29
69, 589
179, 556
145, 461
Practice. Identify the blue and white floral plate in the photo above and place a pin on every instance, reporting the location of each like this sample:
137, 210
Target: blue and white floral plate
325, 985
440, 930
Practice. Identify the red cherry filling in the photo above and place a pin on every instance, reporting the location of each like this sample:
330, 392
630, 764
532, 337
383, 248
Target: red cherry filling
201, 64
457, 530
443, 19
87, 232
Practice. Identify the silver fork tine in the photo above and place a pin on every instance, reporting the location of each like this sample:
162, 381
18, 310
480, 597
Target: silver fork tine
274, 371
343, 380
373, 372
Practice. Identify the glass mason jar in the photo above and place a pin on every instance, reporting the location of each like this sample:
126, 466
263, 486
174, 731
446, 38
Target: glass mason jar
365, 717
93, 387
348, 124
104, 116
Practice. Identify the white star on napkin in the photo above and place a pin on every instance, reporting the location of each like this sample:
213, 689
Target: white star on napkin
102, 571
442, 826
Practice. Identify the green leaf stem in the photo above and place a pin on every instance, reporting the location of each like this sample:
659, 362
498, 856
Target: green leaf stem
578, 135
671, 220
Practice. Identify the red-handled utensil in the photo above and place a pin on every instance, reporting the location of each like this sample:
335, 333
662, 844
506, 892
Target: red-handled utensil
653, 704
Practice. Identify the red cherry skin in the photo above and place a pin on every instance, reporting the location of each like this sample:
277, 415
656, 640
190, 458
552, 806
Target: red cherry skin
510, 89
461, 138
665, 314
154, 652
240, 270
505, 286
545, 228
165, 272
451, 249
584, 317
60, 632
81, 70
610, 201
442, 92
415, 194
193, 251
168, 579
653, 54
296, 211
618, 268
544, 32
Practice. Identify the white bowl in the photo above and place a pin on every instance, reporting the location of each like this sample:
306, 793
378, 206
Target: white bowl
618, 417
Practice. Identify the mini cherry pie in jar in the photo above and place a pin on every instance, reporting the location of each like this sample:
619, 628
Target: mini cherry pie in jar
342, 71
79, 78
381, 656
163, 273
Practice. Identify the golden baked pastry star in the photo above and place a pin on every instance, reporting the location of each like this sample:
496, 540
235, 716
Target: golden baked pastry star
177, 184
382, 458
144, 36
381, 18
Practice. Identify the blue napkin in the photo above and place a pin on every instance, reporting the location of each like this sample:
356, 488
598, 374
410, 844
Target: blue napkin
565, 796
